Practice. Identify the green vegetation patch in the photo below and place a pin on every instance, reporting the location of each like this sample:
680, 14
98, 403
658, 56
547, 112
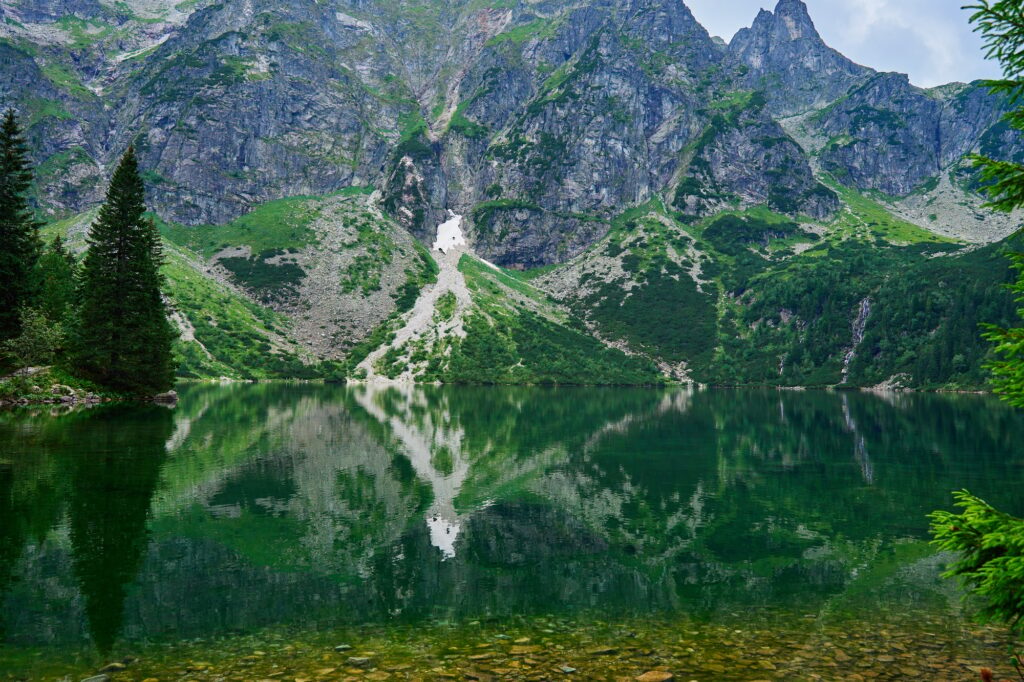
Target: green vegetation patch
539, 29
511, 342
868, 218
422, 272
365, 271
269, 282
281, 224
484, 212
67, 80
487, 278
665, 315
464, 126
445, 308
503, 347
233, 336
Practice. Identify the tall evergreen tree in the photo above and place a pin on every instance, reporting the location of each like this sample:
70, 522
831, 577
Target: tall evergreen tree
19, 232
122, 337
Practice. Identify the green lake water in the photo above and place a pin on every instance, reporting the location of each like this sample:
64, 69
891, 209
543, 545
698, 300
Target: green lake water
495, 533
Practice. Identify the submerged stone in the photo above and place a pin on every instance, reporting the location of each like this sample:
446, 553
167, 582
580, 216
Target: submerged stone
656, 676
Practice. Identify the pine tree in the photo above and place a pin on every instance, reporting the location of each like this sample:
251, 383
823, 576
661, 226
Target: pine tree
57, 273
122, 336
19, 232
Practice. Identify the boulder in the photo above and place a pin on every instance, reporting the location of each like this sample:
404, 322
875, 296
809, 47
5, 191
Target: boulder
168, 398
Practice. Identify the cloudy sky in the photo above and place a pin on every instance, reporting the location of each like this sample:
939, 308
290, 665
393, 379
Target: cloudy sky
929, 39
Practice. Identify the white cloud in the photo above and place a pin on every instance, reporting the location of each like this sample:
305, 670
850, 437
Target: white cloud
930, 40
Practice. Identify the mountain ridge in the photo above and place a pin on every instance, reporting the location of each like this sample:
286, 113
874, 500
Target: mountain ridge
227, 55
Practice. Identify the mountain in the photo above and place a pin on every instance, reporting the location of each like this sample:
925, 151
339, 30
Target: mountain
679, 199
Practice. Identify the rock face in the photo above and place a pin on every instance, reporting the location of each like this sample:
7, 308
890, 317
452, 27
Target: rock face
540, 122
891, 136
744, 157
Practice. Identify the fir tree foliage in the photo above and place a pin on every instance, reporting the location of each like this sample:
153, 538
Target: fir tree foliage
123, 339
19, 231
1001, 23
990, 548
990, 543
1008, 369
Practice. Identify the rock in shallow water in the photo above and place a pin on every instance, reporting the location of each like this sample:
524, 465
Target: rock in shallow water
656, 676
168, 398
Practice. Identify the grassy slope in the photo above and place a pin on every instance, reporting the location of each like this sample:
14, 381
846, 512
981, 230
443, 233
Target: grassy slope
233, 337
779, 296
531, 342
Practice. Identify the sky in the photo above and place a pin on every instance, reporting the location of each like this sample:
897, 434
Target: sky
929, 39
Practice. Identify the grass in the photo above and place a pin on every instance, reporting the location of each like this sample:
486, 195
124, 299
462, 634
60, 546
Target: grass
532, 273
484, 275
464, 126
280, 224
66, 80
233, 336
38, 109
83, 32
868, 217
445, 308
540, 29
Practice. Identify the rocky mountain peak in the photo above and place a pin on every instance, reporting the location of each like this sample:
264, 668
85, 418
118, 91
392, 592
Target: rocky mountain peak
784, 48
789, 22
795, 9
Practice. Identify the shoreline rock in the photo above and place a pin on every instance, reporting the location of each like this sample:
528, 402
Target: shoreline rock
167, 398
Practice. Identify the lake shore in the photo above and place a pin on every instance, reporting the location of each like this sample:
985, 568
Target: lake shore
760, 645
41, 386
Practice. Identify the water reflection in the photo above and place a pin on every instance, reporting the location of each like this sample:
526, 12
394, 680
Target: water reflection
96, 499
250, 506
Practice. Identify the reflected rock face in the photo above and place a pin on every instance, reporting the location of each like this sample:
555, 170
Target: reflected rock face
256, 506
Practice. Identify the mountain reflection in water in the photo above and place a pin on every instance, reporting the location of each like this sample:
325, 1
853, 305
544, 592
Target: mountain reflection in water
259, 505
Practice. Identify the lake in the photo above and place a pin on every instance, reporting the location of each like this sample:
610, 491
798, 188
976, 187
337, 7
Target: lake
307, 532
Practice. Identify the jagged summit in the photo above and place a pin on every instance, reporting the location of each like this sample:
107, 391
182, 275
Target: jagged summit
784, 49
